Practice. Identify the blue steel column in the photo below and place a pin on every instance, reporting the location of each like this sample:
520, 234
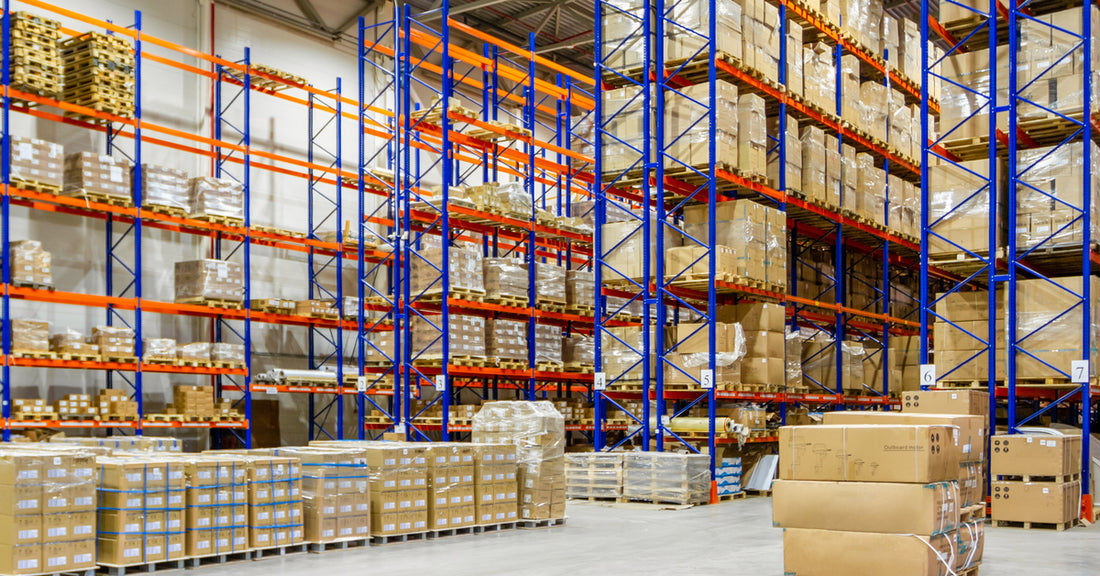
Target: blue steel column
647, 201
532, 292
925, 303
1012, 348
5, 214
656, 257
339, 259
712, 217
401, 381
247, 244
1086, 264
599, 435
139, 393
448, 169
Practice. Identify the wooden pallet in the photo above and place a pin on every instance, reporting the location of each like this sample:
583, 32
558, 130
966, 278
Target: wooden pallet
230, 221
597, 499
763, 493
36, 186
165, 209
34, 416
581, 368
101, 198
124, 569
436, 295
549, 367
397, 538
503, 300
729, 497
78, 357
211, 302
272, 306
164, 360
581, 309
1059, 526
511, 365
283, 550
496, 527
118, 358
38, 354
223, 558
972, 513
448, 532
537, 524
1030, 478
550, 306
437, 361
164, 417
278, 231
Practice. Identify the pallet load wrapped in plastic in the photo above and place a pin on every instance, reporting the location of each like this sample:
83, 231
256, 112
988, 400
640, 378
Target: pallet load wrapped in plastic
869, 498
819, 63
495, 488
467, 335
30, 335
451, 502
626, 240
752, 137
75, 407
158, 350
792, 162
580, 292
142, 504
506, 342
621, 354
548, 347
594, 475
686, 127
193, 353
37, 165
30, 264
98, 178
1036, 480
666, 477
742, 226
464, 273
578, 353
114, 342
274, 485
216, 199
819, 364
763, 365
550, 283
112, 405
209, 280
221, 352
50, 509
691, 355
538, 432
1049, 201
336, 492
506, 281
217, 504
164, 189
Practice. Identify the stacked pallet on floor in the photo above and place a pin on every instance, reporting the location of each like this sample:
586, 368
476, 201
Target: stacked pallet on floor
35, 58
1036, 481
666, 477
99, 74
594, 475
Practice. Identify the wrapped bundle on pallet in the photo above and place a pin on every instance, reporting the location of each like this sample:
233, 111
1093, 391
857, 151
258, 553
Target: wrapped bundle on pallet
35, 60
195, 352
580, 291
216, 199
98, 178
550, 285
114, 342
467, 340
548, 347
274, 487
158, 350
506, 281
464, 272
164, 190
72, 343
495, 488
37, 165
506, 342
197, 281
129, 532
227, 353
579, 353
99, 74
666, 477
30, 335
30, 264
594, 475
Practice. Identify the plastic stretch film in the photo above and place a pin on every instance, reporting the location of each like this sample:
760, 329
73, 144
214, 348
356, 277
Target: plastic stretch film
37, 161
466, 334
550, 282
164, 187
209, 280
90, 175
216, 197
506, 340
463, 266
506, 280
30, 264
666, 477
537, 430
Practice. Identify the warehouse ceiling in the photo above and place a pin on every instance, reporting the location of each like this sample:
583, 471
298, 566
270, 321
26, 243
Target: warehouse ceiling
562, 28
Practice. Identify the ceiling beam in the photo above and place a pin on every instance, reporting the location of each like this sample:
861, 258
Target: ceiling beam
367, 8
462, 9
309, 11
572, 43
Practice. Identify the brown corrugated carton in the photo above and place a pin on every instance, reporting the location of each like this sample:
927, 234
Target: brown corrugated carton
969, 439
1041, 502
835, 553
1024, 455
867, 453
888, 508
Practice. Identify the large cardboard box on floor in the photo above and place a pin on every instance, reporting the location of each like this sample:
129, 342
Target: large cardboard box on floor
1041, 502
861, 453
888, 508
969, 436
835, 553
1026, 455
975, 402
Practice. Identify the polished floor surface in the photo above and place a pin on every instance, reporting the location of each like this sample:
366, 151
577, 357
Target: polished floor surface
732, 538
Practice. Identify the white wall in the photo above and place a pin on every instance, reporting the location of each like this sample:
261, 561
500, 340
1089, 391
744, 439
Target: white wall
181, 100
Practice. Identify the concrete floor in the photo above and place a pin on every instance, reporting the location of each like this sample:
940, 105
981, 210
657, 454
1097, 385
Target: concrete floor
731, 539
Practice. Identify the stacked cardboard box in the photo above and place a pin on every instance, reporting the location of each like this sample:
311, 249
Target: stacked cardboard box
193, 353
687, 127
819, 363
959, 338
691, 354
869, 201
30, 335
580, 291
1051, 67
75, 406
506, 281
99, 73
578, 352
158, 350
862, 21
666, 477
114, 342
621, 354
225, 353
763, 325
318, 308
1036, 480
466, 334
451, 492
97, 177
506, 340
538, 432
36, 62
274, 500
495, 488
338, 490
683, 39
217, 504
550, 284
624, 110
124, 443
213, 198
625, 242
114, 405
836, 481
464, 272
548, 347
819, 63
192, 402
31, 409
164, 188
1050, 202
141, 511
756, 235
594, 475
30, 264
398, 488
752, 136
958, 205
209, 280
37, 164
793, 155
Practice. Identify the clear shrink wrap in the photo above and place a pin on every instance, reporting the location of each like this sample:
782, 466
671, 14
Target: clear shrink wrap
621, 353
666, 477
216, 519
691, 353
506, 280
123, 444
464, 271
623, 39
506, 340
89, 175
819, 364
964, 100
467, 335
72, 342
813, 164
38, 162
209, 280
113, 341
163, 187
537, 430
594, 475
30, 335
1049, 203
1049, 325
194, 352
550, 282
216, 197
870, 189
623, 131
793, 352
686, 126
30, 264
158, 349
337, 491
548, 346
578, 351
624, 244
451, 485
141, 510
752, 136
958, 208
228, 353
819, 64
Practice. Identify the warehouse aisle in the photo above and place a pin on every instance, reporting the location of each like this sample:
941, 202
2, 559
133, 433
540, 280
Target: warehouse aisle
731, 539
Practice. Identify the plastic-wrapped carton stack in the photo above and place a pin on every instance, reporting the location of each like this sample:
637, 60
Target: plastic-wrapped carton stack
464, 272
398, 488
687, 130
538, 432
548, 347
1050, 201
213, 198
764, 363
274, 500
193, 353
666, 477
752, 137
550, 284
99, 74
30, 264
30, 335
209, 280
727, 476
36, 65
232, 354
578, 352
866, 499
467, 336
692, 353
1036, 480
506, 281
451, 502
336, 492
819, 63
506, 340
621, 350
625, 241
754, 233
37, 165
594, 475
793, 156
158, 350
114, 342
217, 504
31, 409
97, 177
141, 511
495, 488
580, 291
164, 189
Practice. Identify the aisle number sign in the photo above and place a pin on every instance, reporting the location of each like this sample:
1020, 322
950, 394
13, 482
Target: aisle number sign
706, 379
927, 375
599, 381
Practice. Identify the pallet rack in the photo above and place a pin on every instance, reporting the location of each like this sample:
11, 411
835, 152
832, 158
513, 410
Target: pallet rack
1004, 265
233, 157
849, 239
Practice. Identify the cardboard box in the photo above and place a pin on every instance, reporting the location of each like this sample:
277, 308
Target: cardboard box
975, 402
835, 553
887, 508
1041, 502
969, 439
1025, 455
867, 453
